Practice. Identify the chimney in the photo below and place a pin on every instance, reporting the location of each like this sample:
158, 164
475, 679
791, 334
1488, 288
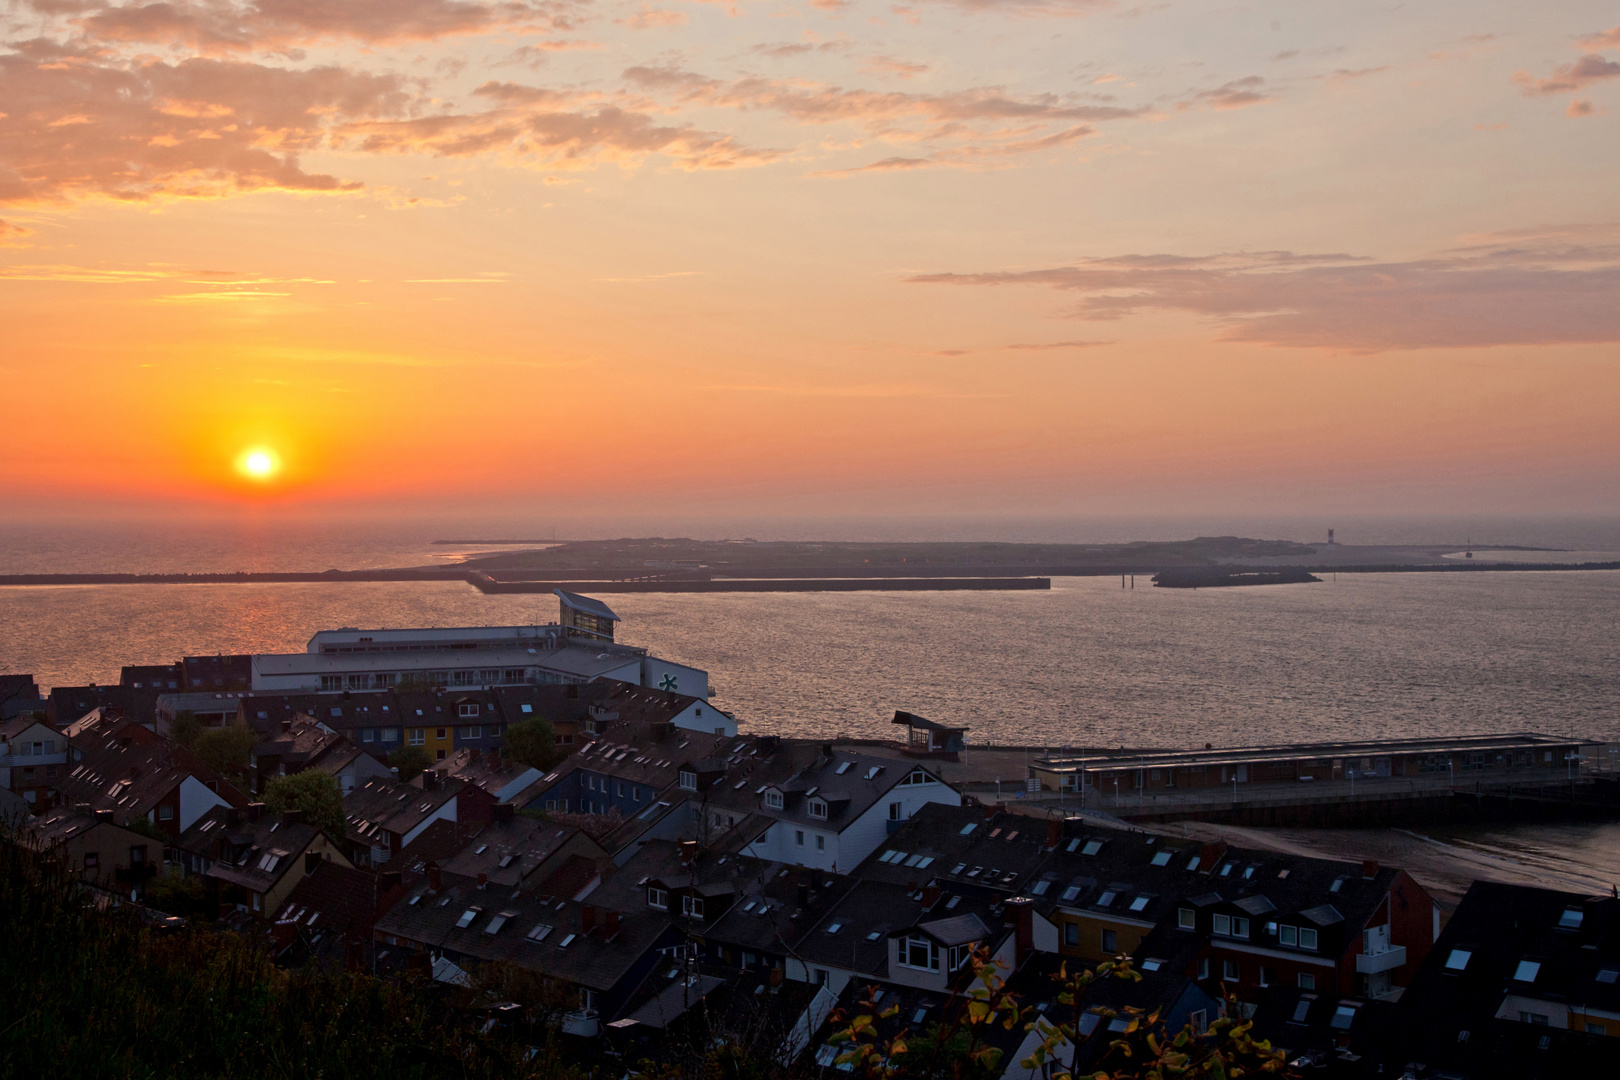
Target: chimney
1020, 914
312, 859
430, 780
435, 879
483, 879
776, 977
389, 879
286, 725
292, 817
610, 925
689, 851
104, 815
930, 897
502, 811
802, 896
1369, 868
587, 918
1054, 833
255, 810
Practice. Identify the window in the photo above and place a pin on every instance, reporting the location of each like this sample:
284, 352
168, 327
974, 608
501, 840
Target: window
968, 828
416, 736
1527, 971
1533, 1018
1307, 981
499, 921
798, 837
1307, 938
92, 860
817, 808
917, 776
1608, 975
1203, 967
1288, 935
1161, 858
1071, 934
331, 683
894, 812
368, 735
467, 917
658, 898
1110, 942
1267, 975
1223, 925
1106, 898
1199, 1021
467, 709
165, 813
439, 733
773, 800
1343, 1016
1240, 926
1303, 1007
390, 735
1139, 903
688, 780
692, 906
1571, 919
1338, 883
1458, 960
137, 855
1092, 847
920, 953
539, 932
1187, 918
1229, 970
821, 842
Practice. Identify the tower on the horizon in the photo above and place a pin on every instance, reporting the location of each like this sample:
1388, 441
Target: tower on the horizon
1330, 537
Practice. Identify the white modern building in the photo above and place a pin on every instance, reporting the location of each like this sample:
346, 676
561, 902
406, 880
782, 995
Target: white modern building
468, 657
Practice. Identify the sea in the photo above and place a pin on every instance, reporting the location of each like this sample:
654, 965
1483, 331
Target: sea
1090, 662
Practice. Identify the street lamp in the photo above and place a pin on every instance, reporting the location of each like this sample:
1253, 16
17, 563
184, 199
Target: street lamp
1352, 773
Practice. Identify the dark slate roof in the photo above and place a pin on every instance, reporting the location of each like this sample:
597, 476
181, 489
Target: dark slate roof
336, 897
130, 780
851, 783
381, 806
340, 712
1005, 851
508, 851
297, 742
253, 853
777, 906
488, 771
1475, 966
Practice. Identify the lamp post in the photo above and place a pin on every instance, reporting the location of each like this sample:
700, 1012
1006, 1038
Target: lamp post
1352, 773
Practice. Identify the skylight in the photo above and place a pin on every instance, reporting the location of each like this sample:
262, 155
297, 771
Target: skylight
567, 941
1092, 847
1071, 892
833, 928
1608, 975
1106, 898
539, 932
1571, 919
466, 918
1152, 964
1527, 971
1139, 903
1072, 845
1458, 959
499, 921
844, 767
874, 935
1161, 858
1338, 883
1041, 887
969, 827
961, 866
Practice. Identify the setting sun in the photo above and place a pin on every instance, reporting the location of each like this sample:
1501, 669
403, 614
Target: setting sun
258, 464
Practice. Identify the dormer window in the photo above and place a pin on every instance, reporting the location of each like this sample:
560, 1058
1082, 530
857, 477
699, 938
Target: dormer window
692, 906
817, 808
658, 898
688, 780
773, 799
467, 709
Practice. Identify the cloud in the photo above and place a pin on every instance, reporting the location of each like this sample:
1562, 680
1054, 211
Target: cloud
12, 234
650, 17
815, 103
221, 26
1547, 286
1035, 8
969, 156
1579, 108
888, 65
1603, 39
77, 124
548, 126
1589, 69
1044, 345
1237, 94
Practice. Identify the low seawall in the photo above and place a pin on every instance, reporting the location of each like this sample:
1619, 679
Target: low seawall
487, 584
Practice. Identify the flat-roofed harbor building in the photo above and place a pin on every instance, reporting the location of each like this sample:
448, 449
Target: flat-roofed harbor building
1456, 759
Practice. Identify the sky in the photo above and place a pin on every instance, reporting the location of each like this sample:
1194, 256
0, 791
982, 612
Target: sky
946, 256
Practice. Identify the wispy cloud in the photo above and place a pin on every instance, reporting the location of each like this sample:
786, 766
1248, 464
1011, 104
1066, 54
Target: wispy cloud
1237, 94
1545, 286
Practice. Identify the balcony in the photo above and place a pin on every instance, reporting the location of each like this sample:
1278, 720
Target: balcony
1388, 960
583, 1022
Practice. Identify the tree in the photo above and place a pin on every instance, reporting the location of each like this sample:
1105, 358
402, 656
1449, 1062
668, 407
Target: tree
313, 792
531, 742
411, 761
185, 728
226, 750
176, 895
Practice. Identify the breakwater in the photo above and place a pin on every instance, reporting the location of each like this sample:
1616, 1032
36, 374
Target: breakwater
485, 583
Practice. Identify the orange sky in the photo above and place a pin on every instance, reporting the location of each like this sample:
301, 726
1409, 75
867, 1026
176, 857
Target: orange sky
1036, 255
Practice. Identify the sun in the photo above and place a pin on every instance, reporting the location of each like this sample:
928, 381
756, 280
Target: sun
258, 464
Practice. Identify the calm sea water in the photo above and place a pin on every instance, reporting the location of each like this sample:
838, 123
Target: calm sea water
1088, 662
